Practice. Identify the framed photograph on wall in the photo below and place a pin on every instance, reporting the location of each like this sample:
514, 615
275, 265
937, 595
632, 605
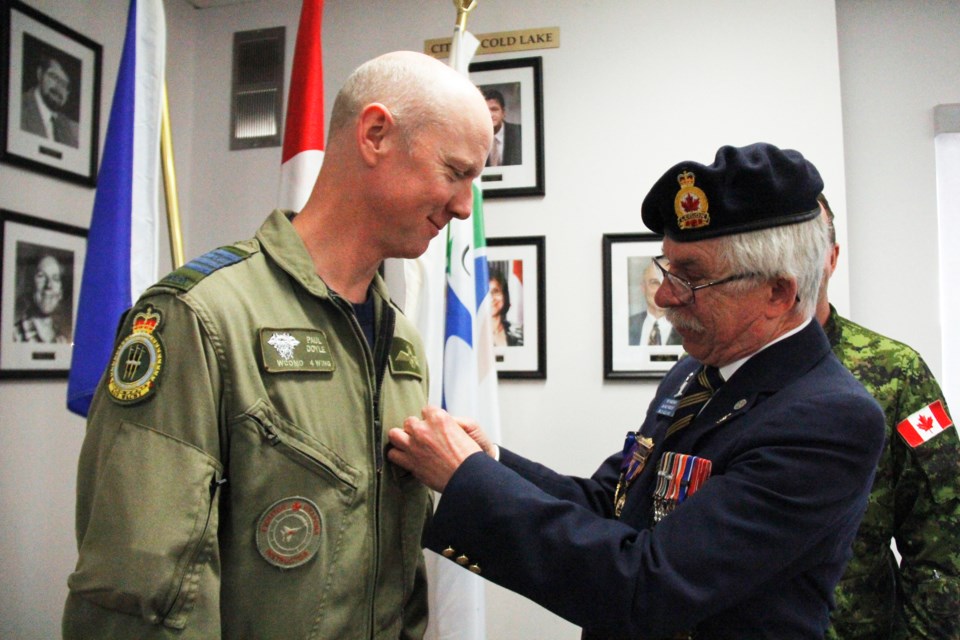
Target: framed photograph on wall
50, 84
518, 306
42, 262
638, 341
513, 93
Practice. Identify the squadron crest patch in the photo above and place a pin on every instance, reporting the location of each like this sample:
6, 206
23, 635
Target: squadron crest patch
288, 534
138, 359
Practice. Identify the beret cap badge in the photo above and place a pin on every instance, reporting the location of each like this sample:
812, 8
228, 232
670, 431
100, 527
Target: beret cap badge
691, 204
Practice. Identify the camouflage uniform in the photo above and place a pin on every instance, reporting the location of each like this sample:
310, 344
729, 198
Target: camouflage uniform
915, 500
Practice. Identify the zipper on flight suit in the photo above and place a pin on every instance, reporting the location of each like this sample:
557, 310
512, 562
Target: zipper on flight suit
295, 450
379, 354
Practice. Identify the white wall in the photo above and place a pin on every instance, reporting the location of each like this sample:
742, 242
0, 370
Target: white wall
634, 88
898, 60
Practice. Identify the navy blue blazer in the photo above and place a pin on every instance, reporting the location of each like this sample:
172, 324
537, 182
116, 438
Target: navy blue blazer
794, 440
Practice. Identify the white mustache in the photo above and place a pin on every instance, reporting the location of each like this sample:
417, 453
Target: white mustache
680, 321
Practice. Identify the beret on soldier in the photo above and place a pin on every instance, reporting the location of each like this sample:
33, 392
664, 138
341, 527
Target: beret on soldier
745, 189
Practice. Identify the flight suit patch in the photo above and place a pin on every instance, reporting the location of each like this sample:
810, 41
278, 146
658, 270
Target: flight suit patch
404, 360
288, 533
138, 360
285, 350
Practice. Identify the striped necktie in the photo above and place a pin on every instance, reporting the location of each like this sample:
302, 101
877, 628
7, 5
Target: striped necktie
702, 388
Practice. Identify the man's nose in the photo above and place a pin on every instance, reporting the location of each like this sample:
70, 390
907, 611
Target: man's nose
665, 297
461, 205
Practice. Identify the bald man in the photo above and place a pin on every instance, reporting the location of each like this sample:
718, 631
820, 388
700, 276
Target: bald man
233, 481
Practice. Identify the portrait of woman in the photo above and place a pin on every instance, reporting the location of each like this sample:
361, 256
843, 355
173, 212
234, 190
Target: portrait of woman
504, 333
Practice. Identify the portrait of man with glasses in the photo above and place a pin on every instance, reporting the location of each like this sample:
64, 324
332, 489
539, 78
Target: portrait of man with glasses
49, 107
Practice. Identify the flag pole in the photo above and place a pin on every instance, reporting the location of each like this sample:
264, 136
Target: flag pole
170, 184
464, 7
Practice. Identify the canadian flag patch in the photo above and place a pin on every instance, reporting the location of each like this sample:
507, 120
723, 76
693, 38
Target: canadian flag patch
924, 424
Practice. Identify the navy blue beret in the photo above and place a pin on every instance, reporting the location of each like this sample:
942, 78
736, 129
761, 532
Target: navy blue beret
745, 189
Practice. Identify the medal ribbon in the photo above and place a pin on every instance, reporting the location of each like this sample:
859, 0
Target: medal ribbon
679, 476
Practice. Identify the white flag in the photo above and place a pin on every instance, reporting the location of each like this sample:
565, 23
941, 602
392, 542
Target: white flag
453, 315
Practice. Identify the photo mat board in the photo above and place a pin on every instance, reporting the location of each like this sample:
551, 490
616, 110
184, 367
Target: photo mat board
42, 264
517, 265
518, 82
50, 81
632, 348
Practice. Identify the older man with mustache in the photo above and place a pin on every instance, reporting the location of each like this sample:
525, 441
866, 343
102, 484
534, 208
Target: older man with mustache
731, 512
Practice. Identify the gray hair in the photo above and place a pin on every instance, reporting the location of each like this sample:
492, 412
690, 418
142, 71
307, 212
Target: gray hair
408, 91
786, 251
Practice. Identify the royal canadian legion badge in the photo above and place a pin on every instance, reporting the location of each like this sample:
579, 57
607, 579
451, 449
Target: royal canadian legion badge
690, 204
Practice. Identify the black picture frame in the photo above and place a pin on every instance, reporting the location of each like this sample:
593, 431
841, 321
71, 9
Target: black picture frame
523, 258
519, 83
39, 55
627, 261
41, 263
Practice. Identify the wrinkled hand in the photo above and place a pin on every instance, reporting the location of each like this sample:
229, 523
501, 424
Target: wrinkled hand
434, 447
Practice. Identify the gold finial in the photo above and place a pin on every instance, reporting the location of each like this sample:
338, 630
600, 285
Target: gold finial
463, 8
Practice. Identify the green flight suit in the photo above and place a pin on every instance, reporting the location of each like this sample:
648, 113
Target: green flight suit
915, 500
233, 482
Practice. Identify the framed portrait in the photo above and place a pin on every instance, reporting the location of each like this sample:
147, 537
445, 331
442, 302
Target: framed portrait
638, 341
513, 93
518, 305
50, 111
42, 262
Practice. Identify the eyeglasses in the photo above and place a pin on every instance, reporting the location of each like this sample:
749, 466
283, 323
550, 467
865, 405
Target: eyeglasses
684, 289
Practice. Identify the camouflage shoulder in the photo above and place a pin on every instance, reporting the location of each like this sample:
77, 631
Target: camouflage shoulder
857, 341
192, 273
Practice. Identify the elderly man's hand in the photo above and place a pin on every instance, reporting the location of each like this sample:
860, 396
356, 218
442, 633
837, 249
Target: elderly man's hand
434, 447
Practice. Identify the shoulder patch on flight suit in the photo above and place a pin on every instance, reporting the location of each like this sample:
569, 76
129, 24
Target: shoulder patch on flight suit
187, 276
286, 350
288, 533
138, 360
404, 360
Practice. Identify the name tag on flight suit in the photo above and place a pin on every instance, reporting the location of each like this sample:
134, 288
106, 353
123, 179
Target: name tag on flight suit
295, 350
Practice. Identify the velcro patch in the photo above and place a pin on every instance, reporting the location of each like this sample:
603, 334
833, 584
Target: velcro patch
138, 360
404, 360
187, 276
288, 533
288, 350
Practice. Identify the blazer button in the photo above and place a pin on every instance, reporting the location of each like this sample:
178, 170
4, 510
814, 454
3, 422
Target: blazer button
448, 552
475, 568
463, 560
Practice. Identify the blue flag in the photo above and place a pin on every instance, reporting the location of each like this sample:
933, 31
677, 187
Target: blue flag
121, 258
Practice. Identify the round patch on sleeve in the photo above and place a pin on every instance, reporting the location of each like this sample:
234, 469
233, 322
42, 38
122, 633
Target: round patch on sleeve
138, 360
288, 534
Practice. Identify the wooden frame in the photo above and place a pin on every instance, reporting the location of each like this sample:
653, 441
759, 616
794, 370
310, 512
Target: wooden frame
518, 83
629, 283
42, 263
519, 261
50, 83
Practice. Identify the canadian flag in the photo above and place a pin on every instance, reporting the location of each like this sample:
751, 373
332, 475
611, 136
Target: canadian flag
924, 424
303, 135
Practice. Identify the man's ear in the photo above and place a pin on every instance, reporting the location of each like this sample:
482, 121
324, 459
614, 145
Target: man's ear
373, 126
832, 256
783, 295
